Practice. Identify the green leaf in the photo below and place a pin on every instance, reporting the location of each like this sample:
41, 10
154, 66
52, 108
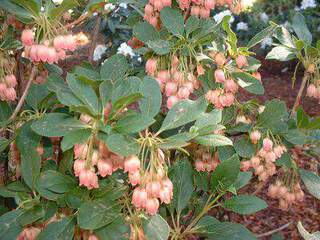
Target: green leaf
260, 36
56, 125
133, 123
205, 224
125, 101
245, 204
4, 143
182, 113
302, 118
211, 118
117, 230
230, 231
151, 102
172, 20
192, 24
145, 32
181, 176
244, 147
225, 174
9, 226
232, 37
20, 13
281, 53
213, 140
177, 141
120, 144
60, 230
37, 93
31, 215
301, 29
85, 93
57, 12
27, 142
242, 180
98, 213
114, 68
273, 116
248, 82
105, 89
160, 47
75, 137
86, 73
296, 137
156, 228
312, 182
56, 182
5, 111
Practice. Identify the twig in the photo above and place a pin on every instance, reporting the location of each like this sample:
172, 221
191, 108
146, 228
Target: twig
274, 230
299, 96
77, 21
94, 38
24, 95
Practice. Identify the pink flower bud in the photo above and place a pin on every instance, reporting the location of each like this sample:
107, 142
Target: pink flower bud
88, 178
273, 191
165, 195
85, 118
278, 151
139, 198
80, 150
195, 11
168, 184
27, 37
270, 156
172, 100
107, 110
70, 43
312, 91
183, 93
219, 76
204, 13
164, 76
259, 170
131, 164
282, 191
267, 144
230, 86
154, 22
167, 3
158, 5
153, 188
10, 80
151, 66
93, 237
228, 100
10, 94
184, 4
255, 136
58, 42
171, 88
42, 52
105, 167
78, 166
152, 206
241, 61
200, 70
209, 4
52, 55
117, 162
34, 53
61, 55
283, 204
245, 165
255, 162
200, 166
189, 86
134, 178
29, 233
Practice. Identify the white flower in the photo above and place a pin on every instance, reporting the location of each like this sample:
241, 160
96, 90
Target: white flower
109, 7
308, 4
123, 5
58, 2
139, 59
266, 42
242, 26
70, 11
98, 52
264, 17
219, 16
126, 50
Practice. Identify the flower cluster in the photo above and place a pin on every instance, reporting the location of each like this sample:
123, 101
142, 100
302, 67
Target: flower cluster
104, 160
7, 91
153, 184
177, 85
287, 195
205, 161
152, 11
50, 51
263, 162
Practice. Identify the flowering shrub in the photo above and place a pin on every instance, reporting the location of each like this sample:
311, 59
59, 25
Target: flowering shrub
119, 152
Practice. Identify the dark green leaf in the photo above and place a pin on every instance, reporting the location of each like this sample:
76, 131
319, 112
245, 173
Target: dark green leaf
160, 47
244, 147
156, 228
117, 230
245, 204
230, 231
172, 20
72, 138
145, 32
312, 182
260, 36
114, 68
301, 29
213, 140
9, 226
248, 82
56, 181
60, 230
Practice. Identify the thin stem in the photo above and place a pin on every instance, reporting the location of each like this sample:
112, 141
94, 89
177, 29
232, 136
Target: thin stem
24, 95
94, 39
299, 96
274, 230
